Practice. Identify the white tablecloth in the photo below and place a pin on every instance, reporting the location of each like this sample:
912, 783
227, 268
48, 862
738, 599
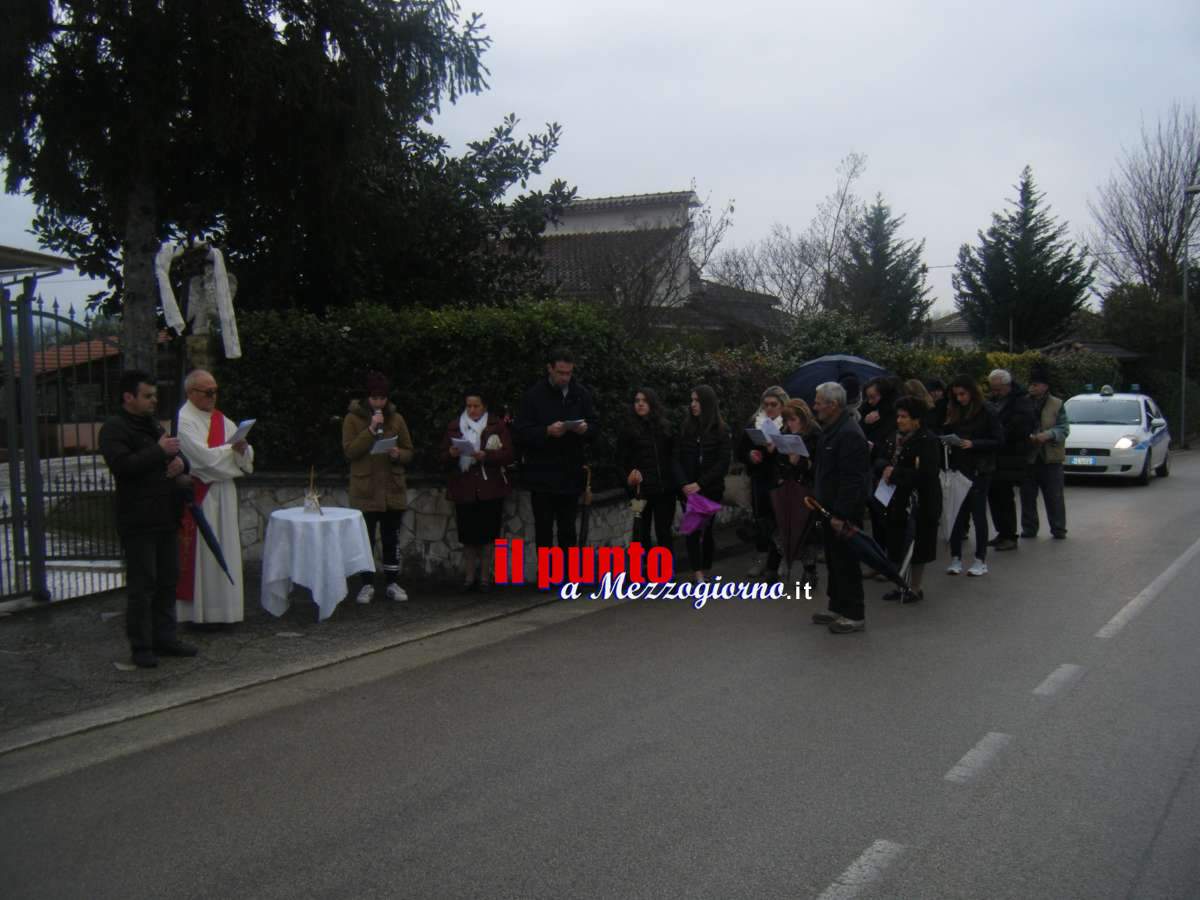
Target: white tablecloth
317, 551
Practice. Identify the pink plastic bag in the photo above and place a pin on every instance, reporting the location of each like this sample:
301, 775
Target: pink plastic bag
696, 514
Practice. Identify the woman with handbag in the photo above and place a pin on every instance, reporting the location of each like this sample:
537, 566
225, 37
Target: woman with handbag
646, 450
477, 483
701, 463
977, 435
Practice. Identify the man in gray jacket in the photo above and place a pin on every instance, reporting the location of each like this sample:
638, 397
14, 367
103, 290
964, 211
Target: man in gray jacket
1046, 455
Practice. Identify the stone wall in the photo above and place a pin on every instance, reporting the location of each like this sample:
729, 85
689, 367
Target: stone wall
429, 537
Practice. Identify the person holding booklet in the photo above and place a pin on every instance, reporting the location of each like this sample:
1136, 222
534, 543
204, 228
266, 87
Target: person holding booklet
377, 479
911, 469
476, 450
756, 450
216, 456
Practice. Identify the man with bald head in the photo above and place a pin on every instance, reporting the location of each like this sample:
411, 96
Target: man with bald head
204, 594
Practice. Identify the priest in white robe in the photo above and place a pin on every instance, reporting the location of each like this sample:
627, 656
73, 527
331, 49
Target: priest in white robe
204, 594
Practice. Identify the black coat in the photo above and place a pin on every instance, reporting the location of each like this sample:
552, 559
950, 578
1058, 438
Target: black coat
985, 434
843, 475
146, 499
915, 469
802, 471
554, 465
1018, 421
881, 432
704, 459
649, 449
763, 475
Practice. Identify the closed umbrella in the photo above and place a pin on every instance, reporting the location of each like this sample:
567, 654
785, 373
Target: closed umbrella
955, 487
210, 537
865, 547
792, 518
585, 516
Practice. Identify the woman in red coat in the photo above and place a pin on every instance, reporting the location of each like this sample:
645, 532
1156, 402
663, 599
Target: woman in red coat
477, 483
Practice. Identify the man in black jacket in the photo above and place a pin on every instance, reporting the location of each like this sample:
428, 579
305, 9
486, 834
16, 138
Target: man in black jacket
1014, 409
145, 464
556, 420
842, 464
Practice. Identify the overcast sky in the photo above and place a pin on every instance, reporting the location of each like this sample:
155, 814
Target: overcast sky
758, 101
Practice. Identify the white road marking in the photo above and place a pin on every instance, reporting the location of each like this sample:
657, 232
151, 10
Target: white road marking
1152, 590
1062, 677
978, 757
864, 871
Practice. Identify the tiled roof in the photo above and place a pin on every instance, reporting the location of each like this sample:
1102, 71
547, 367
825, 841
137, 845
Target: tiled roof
719, 307
634, 200
68, 356
953, 323
1102, 347
584, 264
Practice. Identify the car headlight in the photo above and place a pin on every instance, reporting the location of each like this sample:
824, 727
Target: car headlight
1124, 443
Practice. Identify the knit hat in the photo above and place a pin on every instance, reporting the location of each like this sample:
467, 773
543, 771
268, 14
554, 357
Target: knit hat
1039, 374
377, 385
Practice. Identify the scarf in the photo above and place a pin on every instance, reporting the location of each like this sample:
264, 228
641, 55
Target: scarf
472, 431
760, 417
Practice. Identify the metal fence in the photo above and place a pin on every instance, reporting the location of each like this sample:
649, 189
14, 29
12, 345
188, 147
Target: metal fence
58, 534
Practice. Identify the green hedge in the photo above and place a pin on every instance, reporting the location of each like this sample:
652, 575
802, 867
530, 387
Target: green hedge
299, 372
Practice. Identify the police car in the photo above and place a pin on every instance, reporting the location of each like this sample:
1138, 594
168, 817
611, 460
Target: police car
1121, 435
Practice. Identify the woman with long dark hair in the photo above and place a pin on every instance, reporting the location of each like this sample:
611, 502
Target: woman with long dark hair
913, 468
702, 461
646, 450
979, 435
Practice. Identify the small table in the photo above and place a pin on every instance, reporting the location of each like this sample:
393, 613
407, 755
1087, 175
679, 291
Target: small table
318, 551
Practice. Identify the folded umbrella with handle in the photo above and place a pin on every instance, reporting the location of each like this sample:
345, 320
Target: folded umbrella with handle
865, 547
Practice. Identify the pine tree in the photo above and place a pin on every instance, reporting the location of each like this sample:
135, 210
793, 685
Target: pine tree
882, 277
1025, 279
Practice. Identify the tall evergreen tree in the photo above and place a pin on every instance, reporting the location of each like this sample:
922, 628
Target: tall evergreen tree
290, 132
881, 277
1025, 279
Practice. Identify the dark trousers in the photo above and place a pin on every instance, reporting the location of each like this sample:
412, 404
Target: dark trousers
389, 523
974, 508
1048, 478
845, 587
551, 510
151, 574
1003, 500
700, 545
659, 513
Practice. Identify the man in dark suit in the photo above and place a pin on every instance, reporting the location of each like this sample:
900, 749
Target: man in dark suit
145, 463
556, 421
1014, 409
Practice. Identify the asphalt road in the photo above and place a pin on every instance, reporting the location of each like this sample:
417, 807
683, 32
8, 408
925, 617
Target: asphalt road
1030, 734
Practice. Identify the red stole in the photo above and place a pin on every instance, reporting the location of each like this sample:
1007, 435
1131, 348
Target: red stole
185, 590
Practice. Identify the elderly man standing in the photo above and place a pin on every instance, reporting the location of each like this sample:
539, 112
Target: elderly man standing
204, 593
842, 464
1046, 456
1014, 409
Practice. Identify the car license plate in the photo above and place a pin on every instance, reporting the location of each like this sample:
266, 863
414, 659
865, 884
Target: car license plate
1081, 461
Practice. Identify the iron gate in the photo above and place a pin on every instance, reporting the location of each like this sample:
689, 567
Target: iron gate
58, 535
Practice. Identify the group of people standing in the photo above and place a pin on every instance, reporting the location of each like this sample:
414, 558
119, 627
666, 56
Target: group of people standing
902, 434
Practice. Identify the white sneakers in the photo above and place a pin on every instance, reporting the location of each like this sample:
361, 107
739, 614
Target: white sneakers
979, 567
394, 592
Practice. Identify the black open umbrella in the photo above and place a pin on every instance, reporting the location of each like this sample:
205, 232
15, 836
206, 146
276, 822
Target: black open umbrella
865, 547
803, 382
